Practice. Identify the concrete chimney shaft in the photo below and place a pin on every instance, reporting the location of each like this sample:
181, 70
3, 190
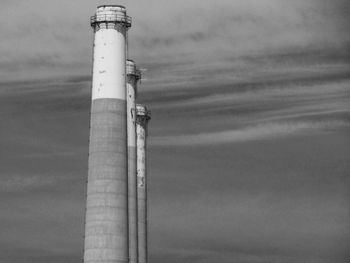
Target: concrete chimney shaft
133, 75
106, 225
142, 118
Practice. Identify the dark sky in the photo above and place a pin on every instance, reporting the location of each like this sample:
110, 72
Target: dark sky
249, 144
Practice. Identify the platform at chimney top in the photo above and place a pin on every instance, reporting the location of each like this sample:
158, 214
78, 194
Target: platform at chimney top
110, 14
132, 70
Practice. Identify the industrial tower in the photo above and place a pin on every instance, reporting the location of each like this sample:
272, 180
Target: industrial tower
106, 221
143, 115
116, 206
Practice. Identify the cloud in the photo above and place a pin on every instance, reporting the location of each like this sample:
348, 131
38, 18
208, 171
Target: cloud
195, 32
259, 93
260, 132
269, 76
249, 228
38, 255
13, 183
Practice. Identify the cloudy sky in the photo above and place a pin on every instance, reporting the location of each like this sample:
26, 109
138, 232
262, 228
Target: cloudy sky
249, 143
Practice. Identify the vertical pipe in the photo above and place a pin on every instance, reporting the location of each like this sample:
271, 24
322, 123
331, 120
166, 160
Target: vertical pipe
142, 118
106, 226
133, 75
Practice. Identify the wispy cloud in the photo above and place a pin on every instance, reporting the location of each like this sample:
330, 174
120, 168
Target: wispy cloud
266, 219
262, 131
14, 183
233, 77
258, 94
195, 34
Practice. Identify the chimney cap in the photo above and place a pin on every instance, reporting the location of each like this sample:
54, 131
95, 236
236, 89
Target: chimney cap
142, 111
121, 6
132, 70
110, 14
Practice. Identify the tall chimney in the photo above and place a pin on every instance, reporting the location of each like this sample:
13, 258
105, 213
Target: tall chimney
133, 75
142, 118
106, 225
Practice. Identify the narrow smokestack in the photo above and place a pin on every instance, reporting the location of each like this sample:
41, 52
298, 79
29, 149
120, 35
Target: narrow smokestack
142, 118
133, 75
106, 225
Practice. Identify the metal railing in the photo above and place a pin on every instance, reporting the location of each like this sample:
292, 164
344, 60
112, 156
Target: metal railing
132, 70
142, 111
117, 18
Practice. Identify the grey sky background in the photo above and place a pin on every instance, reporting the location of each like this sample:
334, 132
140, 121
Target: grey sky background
249, 147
